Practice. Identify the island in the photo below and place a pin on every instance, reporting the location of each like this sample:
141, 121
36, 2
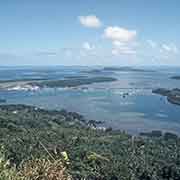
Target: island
72, 82
124, 69
175, 77
37, 143
98, 72
173, 96
112, 70
93, 71
36, 84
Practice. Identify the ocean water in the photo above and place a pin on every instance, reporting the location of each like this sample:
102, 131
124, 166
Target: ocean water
138, 111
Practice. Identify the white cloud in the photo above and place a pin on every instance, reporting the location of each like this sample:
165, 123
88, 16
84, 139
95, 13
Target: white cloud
123, 40
174, 48
170, 48
166, 47
88, 50
152, 43
90, 21
123, 48
123, 51
87, 46
118, 43
132, 44
119, 34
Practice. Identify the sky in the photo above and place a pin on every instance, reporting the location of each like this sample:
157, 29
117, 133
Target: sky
90, 32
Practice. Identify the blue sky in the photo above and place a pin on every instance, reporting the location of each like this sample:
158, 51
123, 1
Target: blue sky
90, 32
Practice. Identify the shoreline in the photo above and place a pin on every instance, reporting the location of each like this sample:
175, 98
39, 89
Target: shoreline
87, 123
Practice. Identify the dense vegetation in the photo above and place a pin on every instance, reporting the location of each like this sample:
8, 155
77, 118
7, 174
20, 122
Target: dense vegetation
73, 82
51, 145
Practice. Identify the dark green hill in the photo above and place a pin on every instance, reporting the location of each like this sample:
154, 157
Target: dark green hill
28, 133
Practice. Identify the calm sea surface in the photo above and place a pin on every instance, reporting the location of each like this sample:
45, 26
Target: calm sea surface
139, 111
